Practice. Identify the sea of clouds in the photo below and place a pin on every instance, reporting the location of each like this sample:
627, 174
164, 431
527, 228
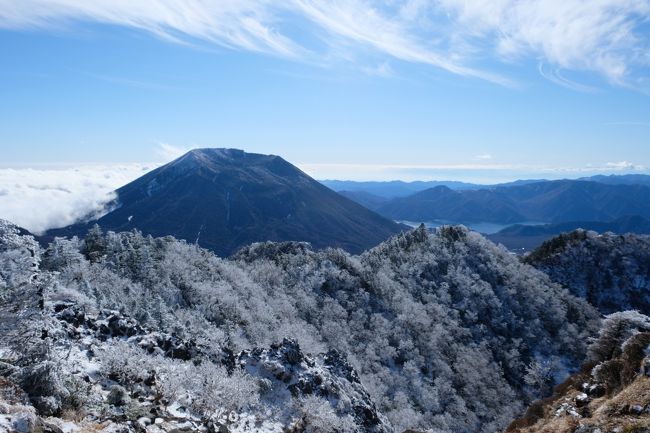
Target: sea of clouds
39, 199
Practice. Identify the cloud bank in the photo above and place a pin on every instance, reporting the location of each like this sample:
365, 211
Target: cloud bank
40, 199
468, 38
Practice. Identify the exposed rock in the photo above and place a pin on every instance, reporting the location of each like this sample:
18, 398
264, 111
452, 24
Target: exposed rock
594, 390
144, 422
582, 400
24, 421
636, 409
283, 369
329, 376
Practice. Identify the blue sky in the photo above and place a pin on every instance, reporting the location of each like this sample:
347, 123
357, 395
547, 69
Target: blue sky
476, 90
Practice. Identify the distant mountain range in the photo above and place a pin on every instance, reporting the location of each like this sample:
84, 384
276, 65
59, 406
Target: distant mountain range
550, 202
223, 199
627, 179
393, 188
398, 188
619, 204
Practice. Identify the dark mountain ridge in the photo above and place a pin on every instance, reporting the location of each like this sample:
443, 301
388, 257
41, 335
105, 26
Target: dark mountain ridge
548, 201
528, 237
626, 224
223, 199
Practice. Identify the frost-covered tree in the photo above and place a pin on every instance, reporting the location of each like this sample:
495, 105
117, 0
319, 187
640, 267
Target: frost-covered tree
94, 245
441, 328
610, 271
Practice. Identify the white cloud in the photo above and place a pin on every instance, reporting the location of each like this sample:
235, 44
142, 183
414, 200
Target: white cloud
230, 23
168, 152
483, 157
623, 165
605, 36
40, 199
555, 75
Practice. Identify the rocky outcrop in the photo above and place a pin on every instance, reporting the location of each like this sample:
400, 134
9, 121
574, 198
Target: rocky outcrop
329, 376
108, 324
610, 394
287, 376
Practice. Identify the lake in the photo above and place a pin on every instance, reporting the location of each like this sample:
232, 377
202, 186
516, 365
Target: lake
481, 227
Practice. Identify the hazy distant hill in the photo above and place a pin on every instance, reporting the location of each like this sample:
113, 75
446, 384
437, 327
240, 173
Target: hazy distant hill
223, 199
548, 201
393, 188
624, 179
397, 188
442, 203
366, 199
369, 193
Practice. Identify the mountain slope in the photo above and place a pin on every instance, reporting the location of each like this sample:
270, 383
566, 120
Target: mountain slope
443, 203
365, 199
441, 328
549, 201
610, 271
610, 394
223, 199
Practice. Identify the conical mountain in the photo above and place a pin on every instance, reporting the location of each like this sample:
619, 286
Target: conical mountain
224, 199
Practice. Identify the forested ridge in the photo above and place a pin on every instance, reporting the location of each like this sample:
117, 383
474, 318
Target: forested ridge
610, 271
443, 332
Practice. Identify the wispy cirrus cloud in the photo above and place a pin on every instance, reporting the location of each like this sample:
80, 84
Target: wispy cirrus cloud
555, 75
468, 38
237, 24
605, 36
